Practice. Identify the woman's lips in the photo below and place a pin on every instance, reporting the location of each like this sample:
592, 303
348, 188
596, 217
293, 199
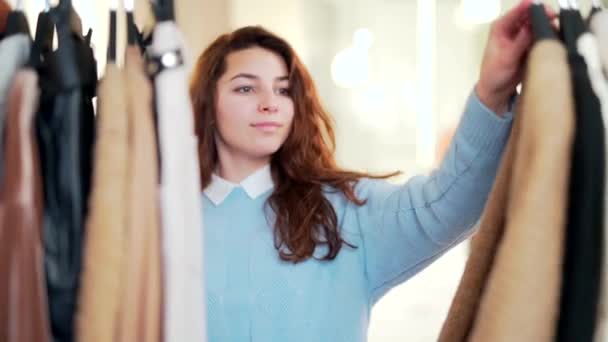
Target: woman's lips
267, 126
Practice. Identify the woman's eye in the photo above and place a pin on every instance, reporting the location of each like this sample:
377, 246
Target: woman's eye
284, 91
245, 89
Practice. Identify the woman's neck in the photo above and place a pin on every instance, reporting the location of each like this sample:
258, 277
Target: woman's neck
235, 170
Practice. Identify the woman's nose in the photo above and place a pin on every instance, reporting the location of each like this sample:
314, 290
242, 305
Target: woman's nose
268, 105
267, 108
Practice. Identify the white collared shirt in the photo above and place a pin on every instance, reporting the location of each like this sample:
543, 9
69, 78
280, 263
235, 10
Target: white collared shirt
254, 185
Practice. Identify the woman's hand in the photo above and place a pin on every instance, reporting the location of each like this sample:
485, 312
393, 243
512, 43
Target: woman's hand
504, 57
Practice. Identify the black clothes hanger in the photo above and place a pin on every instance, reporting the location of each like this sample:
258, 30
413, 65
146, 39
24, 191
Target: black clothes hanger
86, 61
131, 28
143, 40
578, 20
572, 25
16, 22
45, 30
66, 67
596, 7
541, 24
43, 41
111, 56
87, 37
163, 10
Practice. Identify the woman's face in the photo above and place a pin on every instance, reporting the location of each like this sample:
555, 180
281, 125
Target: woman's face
254, 108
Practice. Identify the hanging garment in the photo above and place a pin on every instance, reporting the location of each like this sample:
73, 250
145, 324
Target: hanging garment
585, 227
484, 244
588, 48
599, 26
521, 296
140, 307
23, 303
101, 280
59, 125
14, 52
181, 206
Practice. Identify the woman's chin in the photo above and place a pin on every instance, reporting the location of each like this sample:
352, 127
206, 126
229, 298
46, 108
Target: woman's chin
264, 151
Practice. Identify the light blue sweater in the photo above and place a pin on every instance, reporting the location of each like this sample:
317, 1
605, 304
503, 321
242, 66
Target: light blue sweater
254, 296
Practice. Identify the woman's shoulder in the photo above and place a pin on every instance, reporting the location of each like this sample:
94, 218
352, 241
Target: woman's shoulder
365, 188
373, 185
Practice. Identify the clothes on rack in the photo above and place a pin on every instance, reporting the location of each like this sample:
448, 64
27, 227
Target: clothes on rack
554, 270
527, 265
515, 258
114, 224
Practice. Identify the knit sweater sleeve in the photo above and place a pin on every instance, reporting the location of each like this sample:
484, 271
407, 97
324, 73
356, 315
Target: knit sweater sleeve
404, 228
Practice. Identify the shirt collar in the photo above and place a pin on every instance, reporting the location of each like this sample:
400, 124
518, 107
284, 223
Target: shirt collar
254, 185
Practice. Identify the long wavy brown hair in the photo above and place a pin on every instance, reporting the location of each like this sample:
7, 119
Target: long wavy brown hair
5, 9
302, 166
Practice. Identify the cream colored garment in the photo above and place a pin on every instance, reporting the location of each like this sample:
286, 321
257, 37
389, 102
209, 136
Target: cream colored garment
587, 46
599, 27
101, 283
521, 299
140, 313
181, 204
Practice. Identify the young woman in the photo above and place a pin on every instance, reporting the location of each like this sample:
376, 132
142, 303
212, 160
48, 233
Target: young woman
298, 249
